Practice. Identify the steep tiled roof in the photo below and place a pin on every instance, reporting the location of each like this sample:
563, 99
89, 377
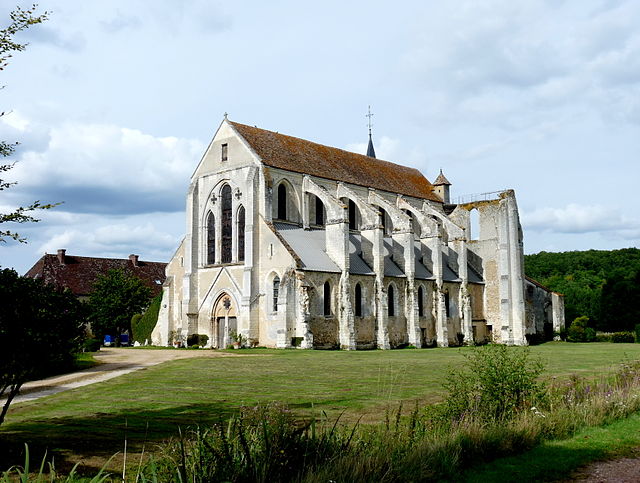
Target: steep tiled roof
80, 273
441, 179
294, 154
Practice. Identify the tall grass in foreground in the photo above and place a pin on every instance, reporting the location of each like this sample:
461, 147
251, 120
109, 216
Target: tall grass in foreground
496, 405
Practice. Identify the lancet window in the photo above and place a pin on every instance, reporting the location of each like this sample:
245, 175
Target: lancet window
211, 239
276, 292
358, 311
327, 298
241, 234
282, 201
227, 224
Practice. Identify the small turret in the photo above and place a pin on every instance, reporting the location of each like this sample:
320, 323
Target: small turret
441, 185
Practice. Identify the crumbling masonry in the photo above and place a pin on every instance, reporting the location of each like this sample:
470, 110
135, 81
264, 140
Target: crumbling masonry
294, 244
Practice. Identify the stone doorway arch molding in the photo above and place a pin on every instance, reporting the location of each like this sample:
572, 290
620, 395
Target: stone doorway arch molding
224, 320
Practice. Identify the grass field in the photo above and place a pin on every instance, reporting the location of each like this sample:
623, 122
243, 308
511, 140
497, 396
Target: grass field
557, 460
144, 407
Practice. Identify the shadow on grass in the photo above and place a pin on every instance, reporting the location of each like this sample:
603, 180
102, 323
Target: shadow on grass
544, 463
98, 436
94, 438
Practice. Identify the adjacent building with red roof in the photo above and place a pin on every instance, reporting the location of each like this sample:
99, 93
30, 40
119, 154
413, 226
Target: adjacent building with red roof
78, 274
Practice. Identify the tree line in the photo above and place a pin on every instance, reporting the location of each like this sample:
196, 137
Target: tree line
603, 285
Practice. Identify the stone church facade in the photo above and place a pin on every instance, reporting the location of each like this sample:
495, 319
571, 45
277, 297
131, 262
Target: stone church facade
290, 243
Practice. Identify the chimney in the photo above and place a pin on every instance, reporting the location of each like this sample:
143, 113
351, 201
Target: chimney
134, 259
61, 255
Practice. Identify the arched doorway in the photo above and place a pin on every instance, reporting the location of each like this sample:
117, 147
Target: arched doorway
223, 321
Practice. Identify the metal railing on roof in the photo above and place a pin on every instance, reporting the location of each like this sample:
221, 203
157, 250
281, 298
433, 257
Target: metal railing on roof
477, 197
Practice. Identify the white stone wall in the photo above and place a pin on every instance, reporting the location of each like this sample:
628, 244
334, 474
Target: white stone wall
494, 308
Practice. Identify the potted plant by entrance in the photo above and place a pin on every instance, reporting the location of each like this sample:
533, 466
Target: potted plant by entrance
238, 339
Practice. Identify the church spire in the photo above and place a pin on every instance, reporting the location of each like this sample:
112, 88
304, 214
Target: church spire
370, 151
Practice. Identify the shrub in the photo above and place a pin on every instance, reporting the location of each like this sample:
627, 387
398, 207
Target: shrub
197, 340
603, 337
622, 337
577, 331
91, 345
143, 324
589, 334
637, 328
496, 383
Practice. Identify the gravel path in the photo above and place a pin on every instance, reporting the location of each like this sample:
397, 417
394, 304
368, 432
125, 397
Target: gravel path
623, 470
113, 362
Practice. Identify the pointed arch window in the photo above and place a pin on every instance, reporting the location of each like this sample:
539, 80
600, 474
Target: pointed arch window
241, 234
282, 201
385, 221
447, 308
420, 301
358, 311
276, 292
227, 223
352, 215
319, 212
211, 239
391, 305
327, 298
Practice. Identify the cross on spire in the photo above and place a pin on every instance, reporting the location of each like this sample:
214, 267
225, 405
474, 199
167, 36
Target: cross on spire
370, 151
369, 115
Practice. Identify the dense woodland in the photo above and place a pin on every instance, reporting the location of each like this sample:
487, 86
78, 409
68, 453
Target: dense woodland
602, 285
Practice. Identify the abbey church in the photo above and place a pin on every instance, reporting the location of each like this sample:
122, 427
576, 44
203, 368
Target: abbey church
290, 243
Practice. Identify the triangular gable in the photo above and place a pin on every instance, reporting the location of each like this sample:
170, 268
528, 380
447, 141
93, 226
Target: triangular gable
211, 161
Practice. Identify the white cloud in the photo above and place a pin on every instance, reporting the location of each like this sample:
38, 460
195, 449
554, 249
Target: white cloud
511, 62
105, 168
154, 236
15, 120
575, 218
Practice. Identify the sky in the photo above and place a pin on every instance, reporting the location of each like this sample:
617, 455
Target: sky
114, 102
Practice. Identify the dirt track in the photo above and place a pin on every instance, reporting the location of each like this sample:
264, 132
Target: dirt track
114, 362
624, 470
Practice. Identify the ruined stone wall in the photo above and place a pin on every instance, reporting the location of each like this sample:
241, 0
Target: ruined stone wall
539, 310
324, 328
454, 319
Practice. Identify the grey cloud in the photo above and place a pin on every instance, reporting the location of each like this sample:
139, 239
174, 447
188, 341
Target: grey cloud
515, 63
106, 201
44, 34
575, 218
120, 22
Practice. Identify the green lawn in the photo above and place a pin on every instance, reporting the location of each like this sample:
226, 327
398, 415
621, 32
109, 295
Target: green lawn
556, 460
150, 404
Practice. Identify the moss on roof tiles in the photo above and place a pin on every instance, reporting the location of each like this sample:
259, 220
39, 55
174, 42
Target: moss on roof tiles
302, 156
